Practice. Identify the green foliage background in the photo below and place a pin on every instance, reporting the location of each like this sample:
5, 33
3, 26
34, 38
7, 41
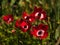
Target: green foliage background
16, 7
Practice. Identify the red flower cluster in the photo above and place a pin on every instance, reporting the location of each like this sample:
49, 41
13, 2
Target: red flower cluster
24, 24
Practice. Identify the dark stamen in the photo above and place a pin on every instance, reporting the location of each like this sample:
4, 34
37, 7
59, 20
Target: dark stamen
40, 32
27, 18
25, 26
39, 14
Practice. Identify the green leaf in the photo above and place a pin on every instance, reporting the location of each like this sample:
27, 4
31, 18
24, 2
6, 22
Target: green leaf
57, 32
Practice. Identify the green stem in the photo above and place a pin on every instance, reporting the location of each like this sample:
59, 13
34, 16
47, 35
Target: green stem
41, 42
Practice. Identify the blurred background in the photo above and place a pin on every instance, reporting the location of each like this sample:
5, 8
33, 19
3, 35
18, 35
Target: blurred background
17, 7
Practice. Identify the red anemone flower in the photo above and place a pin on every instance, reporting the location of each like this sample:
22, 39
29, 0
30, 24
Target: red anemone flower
27, 17
39, 13
39, 32
8, 18
24, 25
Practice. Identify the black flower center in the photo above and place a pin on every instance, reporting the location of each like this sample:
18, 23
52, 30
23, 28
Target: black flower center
27, 17
39, 14
25, 26
40, 32
9, 19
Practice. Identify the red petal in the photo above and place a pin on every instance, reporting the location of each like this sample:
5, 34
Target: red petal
34, 31
31, 19
37, 9
5, 18
44, 15
24, 15
17, 23
42, 26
